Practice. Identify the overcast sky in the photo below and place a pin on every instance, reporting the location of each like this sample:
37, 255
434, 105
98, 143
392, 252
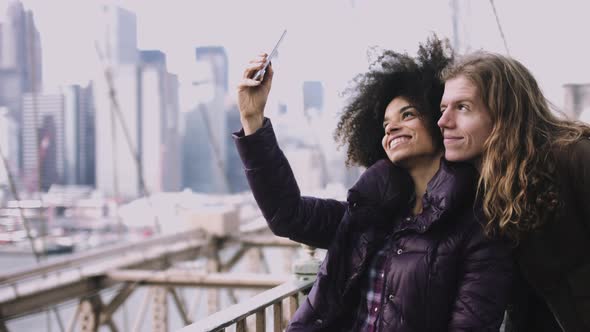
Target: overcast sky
326, 40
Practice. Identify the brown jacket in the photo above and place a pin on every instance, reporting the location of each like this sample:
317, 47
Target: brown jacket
555, 260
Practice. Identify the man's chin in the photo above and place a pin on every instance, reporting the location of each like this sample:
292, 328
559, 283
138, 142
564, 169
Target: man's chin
455, 156
450, 156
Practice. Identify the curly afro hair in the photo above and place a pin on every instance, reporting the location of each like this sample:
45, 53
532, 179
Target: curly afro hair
392, 75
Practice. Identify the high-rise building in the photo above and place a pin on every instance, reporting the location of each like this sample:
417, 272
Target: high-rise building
196, 173
217, 58
306, 162
234, 168
1, 42
577, 101
79, 135
313, 95
21, 46
118, 41
43, 140
153, 58
143, 136
147, 95
159, 124
172, 142
20, 62
117, 130
9, 145
461, 23
204, 161
11, 91
205, 143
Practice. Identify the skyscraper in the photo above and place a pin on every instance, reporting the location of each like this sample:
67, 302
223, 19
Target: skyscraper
21, 46
20, 62
154, 58
234, 168
118, 128
118, 41
140, 139
159, 124
116, 168
196, 154
205, 143
217, 58
9, 144
577, 100
43, 140
313, 95
79, 135
204, 162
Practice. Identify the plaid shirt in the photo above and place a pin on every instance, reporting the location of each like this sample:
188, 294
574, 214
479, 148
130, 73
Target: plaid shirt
372, 292
373, 286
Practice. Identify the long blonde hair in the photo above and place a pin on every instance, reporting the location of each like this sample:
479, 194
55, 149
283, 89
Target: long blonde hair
517, 180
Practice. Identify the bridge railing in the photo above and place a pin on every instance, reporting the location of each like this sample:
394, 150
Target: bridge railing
134, 265
290, 292
256, 306
83, 259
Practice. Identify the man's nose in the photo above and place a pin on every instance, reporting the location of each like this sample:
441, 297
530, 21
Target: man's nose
445, 120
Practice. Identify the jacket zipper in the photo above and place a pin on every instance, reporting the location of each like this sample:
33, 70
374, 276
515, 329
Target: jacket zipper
384, 285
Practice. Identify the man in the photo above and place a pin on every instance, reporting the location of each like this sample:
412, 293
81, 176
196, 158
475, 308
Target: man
535, 182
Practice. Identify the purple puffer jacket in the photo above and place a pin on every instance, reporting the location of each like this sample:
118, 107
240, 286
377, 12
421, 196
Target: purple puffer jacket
447, 276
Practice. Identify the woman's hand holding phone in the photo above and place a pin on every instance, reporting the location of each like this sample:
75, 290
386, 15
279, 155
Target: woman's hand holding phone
254, 88
253, 94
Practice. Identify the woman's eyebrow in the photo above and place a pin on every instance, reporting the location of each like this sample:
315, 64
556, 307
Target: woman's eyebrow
386, 118
406, 107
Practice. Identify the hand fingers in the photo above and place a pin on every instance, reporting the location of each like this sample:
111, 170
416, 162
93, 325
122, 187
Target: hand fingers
268, 75
248, 83
251, 69
258, 59
254, 66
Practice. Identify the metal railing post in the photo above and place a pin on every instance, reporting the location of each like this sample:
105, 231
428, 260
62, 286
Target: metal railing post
307, 267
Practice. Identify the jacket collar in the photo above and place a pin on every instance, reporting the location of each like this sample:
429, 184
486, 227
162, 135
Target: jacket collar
450, 190
382, 185
389, 187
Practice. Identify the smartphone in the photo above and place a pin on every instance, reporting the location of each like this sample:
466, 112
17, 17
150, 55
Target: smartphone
259, 76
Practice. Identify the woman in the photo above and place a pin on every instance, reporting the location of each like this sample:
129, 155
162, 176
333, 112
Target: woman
535, 179
406, 251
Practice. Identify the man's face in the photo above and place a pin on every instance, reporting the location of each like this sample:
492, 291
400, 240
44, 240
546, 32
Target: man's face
465, 123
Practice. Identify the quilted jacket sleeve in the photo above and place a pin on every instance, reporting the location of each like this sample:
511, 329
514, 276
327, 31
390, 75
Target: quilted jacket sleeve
307, 220
485, 285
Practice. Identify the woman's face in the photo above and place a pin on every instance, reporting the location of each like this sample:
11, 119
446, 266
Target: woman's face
407, 140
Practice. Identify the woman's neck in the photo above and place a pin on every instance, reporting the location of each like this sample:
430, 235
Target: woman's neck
421, 173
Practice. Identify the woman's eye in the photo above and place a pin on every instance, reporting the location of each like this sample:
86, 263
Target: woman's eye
407, 114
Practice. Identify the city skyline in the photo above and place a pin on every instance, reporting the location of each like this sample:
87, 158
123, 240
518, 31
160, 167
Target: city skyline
147, 90
311, 45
